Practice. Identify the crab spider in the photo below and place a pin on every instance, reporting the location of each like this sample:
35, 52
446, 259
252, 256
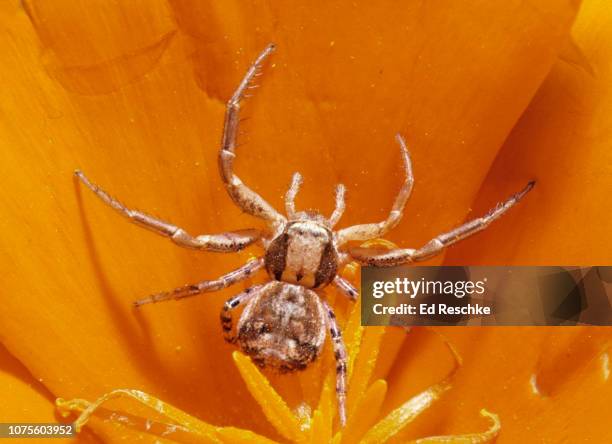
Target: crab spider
285, 322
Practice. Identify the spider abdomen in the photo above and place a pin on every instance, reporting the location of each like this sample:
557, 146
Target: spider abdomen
283, 327
304, 254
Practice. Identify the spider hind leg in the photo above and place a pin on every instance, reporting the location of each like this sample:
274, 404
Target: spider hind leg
341, 362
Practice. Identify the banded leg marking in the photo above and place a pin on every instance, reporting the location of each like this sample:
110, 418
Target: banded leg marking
346, 287
229, 305
206, 286
341, 362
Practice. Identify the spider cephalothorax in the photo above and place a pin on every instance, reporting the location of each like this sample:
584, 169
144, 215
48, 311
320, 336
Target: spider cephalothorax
283, 324
304, 253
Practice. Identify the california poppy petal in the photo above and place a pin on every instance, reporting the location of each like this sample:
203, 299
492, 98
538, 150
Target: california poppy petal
133, 94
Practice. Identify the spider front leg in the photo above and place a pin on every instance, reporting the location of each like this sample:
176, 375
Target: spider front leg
296, 182
372, 231
249, 201
340, 205
224, 281
341, 360
224, 242
371, 256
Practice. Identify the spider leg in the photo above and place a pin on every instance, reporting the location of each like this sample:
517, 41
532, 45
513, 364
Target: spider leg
341, 358
346, 287
340, 205
224, 242
296, 182
224, 281
249, 201
371, 231
231, 304
371, 256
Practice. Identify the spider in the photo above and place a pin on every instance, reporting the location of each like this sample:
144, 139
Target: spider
284, 321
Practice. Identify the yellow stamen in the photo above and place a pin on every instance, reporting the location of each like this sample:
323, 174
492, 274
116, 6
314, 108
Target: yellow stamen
365, 413
273, 406
233, 435
407, 412
364, 365
180, 417
471, 438
318, 432
325, 408
404, 414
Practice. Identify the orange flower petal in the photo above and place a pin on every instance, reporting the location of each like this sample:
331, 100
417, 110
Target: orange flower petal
134, 96
562, 141
500, 367
26, 400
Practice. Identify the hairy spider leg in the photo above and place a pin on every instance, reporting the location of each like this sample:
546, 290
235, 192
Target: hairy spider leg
346, 287
224, 281
340, 205
296, 182
341, 359
230, 241
294, 188
231, 304
371, 256
249, 201
371, 231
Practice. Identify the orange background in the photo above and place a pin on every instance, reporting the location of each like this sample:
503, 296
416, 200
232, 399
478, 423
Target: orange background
487, 94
